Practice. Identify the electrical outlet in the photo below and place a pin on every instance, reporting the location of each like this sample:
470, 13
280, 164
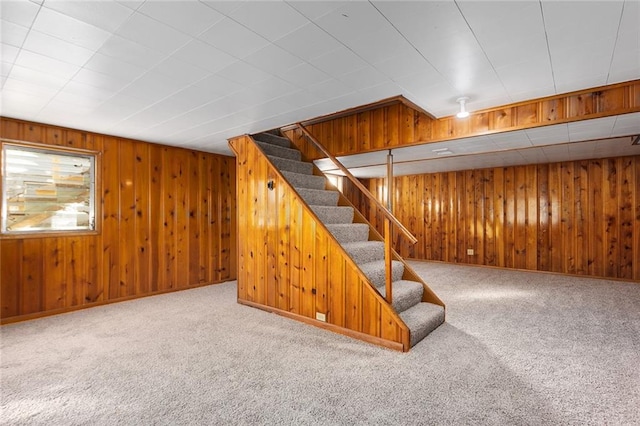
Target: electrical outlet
321, 317
470, 252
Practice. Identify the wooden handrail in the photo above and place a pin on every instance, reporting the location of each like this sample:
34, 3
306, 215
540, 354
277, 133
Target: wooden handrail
388, 215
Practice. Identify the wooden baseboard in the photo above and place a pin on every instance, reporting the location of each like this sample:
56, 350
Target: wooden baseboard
36, 315
331, 327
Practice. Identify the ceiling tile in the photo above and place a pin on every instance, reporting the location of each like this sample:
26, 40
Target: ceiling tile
21, 12
381, 45
308, 42
264, 91
107, 15
273, 59
70, 29
218, 84
189, 98
9, 53
420, 21
204, 56
243, 73
548, 135
152, 87
130, 52
282, 20
409, 63
352, 20
31, 88
180, 71
572, 23
55, 48
363, 78
52, 66
114, 67
190, 17
231, 37
223, 6
100, 80
338, 62
13, 34
304, 75
153, 34
131, 4
315, 9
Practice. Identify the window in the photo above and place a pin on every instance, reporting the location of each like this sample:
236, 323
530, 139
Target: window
47, 190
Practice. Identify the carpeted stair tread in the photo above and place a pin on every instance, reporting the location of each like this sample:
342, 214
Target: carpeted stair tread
319, 197
349, 232
278, 151
375, 271
422, 319
405, 294
291, 165
273, 139
303, 180
333, 214
365, 251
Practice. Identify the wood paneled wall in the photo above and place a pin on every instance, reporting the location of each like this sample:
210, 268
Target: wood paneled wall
168, 222
290, 264
579, 217
399, 124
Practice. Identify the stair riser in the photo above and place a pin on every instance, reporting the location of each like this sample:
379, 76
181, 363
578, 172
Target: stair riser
422, 319
329, 215
319, 198
278, 151
304, 181
378, 278
406, 294
273, 139
292, 166
352, 234
366, 255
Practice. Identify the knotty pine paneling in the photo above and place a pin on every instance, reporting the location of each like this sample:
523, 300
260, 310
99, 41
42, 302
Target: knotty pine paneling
399, 124
168, 222
580, 217
289, 263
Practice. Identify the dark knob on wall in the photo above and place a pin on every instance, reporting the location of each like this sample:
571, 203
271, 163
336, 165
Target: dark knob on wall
270, 185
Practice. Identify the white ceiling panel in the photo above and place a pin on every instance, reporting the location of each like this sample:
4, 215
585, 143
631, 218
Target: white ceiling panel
21, 12
9, 53
190, 17
130, 52
233, 38
107, 15
69, 29
153, 34
273, 59
308, 42
207, 70
283, 19
203, 55
338, 62
61, 50
12, 34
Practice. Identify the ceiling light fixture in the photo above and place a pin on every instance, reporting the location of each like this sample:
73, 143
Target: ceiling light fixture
463, 112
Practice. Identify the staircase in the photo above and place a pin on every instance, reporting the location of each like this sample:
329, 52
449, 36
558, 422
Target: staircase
420, 317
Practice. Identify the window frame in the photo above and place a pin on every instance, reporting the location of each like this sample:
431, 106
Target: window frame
52, 149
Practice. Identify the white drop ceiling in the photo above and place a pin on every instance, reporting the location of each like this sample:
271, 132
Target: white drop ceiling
194, 73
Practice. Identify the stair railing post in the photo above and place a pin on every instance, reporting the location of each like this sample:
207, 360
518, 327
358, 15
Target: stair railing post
387, 259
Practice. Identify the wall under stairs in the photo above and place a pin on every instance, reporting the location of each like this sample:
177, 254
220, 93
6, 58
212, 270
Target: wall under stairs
290, 263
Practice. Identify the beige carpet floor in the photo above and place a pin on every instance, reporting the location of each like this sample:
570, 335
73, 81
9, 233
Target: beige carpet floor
517, 349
